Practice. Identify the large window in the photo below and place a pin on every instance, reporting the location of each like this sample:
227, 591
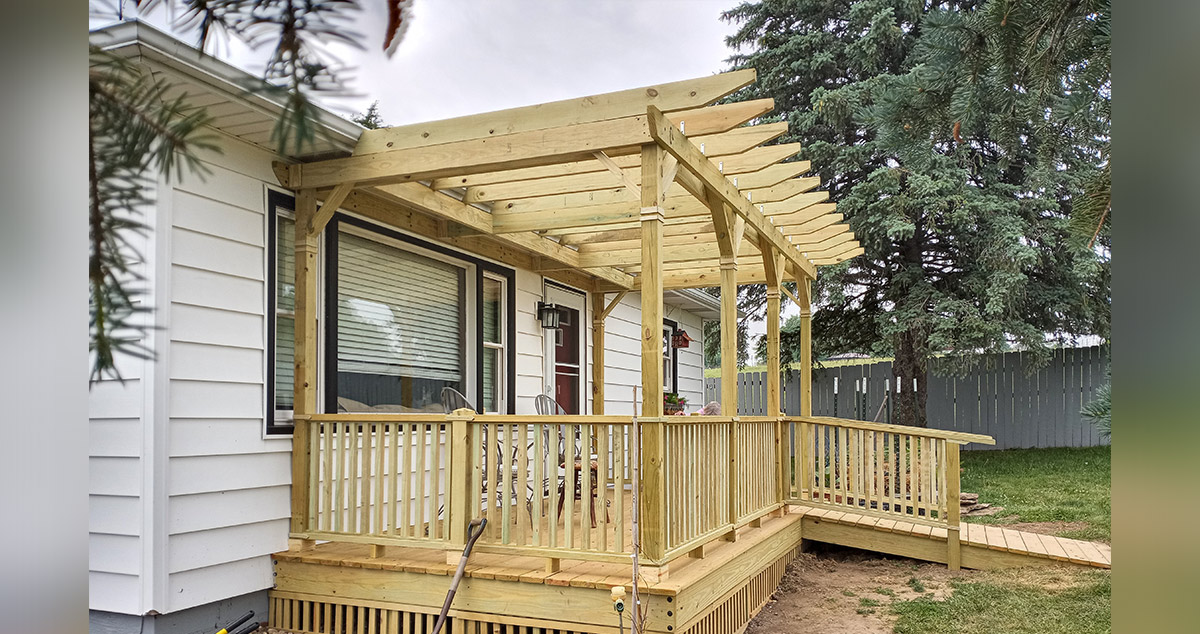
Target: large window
402, 318
401, 325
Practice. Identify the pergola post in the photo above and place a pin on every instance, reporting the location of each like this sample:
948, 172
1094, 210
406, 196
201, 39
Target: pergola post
597, 354
305, 383
804, 294
652, 514
774, 265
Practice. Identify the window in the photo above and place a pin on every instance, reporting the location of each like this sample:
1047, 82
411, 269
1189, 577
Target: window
281, 311
670, 360
494, 344
402, 318
401, 326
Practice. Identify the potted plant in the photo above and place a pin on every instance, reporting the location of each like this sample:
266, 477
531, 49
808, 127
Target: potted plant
673, 403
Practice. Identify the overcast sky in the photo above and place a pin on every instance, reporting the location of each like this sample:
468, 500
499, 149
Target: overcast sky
466, 56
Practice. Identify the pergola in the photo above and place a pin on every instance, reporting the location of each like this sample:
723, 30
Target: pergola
647, 189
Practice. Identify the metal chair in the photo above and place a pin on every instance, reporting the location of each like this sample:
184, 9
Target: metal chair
547, 406
452, 399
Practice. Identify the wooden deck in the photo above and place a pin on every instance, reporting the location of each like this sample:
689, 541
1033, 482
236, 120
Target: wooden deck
340, 588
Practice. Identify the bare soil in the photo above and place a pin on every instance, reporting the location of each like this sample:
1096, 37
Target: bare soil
833, 589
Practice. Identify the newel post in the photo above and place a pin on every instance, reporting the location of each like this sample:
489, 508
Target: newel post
953, 492
458, 499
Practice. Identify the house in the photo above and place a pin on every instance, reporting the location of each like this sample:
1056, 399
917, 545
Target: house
289, 450
190, 457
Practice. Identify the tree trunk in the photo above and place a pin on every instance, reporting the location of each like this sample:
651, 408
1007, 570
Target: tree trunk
909, 408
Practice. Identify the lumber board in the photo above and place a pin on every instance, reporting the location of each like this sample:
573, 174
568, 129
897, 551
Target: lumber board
668, 97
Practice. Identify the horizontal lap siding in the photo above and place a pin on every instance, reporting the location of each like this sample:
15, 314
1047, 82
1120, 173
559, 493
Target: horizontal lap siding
227, 486
529, 341
116, 439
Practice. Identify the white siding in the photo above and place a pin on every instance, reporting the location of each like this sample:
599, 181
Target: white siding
227, 485
622, 356
116, 464
188, 498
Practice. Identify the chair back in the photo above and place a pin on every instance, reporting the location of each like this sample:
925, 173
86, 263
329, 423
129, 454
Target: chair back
452, 399
547, 406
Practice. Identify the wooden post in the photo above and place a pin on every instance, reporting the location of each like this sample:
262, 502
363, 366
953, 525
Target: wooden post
804, 292
458, 494
598, 354
953, 491
305, 385
773, 266
729, 351
652, 512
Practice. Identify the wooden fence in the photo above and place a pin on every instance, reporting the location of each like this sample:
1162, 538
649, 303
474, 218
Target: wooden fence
999, 398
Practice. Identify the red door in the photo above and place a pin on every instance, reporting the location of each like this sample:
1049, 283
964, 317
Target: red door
566, 361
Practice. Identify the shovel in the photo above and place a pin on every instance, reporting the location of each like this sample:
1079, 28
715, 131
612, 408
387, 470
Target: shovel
475, 528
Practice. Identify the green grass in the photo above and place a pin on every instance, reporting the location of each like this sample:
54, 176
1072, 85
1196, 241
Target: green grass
916, 584
1018, 606
1044, 485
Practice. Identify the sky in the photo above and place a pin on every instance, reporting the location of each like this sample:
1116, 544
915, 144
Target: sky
466, 56
462, 57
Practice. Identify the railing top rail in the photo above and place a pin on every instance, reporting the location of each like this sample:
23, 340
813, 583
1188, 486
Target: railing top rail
550, 419
952, 436
372, 417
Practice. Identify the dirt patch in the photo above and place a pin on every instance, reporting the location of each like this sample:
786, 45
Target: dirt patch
833, 589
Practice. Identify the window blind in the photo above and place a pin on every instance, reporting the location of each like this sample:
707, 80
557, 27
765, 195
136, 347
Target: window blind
399, 313
285, 310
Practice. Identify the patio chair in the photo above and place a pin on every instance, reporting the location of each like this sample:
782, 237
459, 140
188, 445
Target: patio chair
547, 406
452, 400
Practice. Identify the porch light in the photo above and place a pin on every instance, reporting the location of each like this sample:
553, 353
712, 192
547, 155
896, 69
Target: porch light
548, 314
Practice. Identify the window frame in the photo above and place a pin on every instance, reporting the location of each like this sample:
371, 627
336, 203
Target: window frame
279, 422
669, 328
502, 370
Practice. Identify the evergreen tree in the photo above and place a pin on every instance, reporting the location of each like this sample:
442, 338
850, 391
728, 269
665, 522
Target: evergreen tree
963, 207
370, 119
135, 132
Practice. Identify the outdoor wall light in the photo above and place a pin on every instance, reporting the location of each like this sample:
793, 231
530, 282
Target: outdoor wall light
548, 314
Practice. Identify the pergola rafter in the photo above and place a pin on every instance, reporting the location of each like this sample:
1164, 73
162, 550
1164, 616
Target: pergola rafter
648, 189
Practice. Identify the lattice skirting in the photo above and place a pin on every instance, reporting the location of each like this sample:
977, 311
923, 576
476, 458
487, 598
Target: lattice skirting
319, 615
734, 611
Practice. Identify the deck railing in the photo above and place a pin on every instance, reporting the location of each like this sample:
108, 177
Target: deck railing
561, 487
381, 480
556, 486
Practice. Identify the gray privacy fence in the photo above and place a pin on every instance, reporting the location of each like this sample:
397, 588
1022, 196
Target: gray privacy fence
998, 398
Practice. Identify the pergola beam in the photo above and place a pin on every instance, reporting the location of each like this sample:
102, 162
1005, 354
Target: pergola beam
678, 95
615, 176
721, 143
691, 159
508, 151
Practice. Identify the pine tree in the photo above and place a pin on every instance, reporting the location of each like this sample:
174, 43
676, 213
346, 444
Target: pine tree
135, 133
963, 208
370, 119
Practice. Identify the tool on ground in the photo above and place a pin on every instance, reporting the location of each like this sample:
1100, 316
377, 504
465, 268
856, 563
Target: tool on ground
241, 619
250, 627
475, 528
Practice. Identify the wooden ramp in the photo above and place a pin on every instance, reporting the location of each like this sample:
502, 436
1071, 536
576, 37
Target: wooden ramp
982, 546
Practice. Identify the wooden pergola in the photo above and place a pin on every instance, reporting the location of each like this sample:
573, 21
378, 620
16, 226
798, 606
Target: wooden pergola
646, 189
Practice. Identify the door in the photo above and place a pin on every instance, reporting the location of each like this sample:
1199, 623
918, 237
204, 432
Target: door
564, 351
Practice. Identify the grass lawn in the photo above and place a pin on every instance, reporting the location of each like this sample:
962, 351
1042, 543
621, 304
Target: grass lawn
1044, 485
1033, 601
